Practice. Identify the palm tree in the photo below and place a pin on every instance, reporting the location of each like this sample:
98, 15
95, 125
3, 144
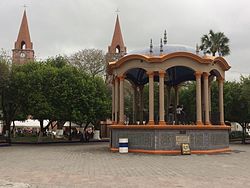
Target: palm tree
215, 42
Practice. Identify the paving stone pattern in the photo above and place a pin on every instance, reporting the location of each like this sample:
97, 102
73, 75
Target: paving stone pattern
93, 165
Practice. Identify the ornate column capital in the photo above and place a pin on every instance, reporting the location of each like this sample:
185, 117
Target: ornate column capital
116, 78
162, 74
220, 79
198, 74
150, 74
121, 78
206, 75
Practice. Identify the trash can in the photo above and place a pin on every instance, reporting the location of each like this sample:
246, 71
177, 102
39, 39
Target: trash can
123, 145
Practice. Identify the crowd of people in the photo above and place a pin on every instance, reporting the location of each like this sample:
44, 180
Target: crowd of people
77, 133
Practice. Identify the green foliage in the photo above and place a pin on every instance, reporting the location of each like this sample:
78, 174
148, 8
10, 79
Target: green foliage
233, 102
128, 100
100, 101
8, 93
53, 90
215, 42
58, 61
236, 100
187, 99
4, 70
245, 99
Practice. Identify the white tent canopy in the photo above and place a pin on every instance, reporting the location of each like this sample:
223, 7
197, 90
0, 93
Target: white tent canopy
72, 124
29, 123
34, 123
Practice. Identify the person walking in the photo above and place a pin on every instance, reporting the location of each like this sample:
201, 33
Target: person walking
178, 114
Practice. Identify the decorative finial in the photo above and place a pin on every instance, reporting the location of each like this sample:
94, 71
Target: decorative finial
117, 11
161, 46
165, 37
197, 49
151, 46
25, 6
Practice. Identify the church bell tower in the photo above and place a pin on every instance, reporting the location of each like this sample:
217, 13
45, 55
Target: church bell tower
117, 48
23, 50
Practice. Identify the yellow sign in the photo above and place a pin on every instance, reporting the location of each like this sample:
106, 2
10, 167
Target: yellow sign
185, 149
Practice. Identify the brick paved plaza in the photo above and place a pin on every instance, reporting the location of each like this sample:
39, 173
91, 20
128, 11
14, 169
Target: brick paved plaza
92, 165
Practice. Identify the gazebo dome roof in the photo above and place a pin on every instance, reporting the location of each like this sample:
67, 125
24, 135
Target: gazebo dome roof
167, 49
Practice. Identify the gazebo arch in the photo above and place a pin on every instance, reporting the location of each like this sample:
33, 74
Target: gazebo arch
138, 78
137, 75
178, 74
220, 80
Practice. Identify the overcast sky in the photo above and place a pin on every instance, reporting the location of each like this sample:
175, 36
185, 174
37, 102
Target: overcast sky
66, 26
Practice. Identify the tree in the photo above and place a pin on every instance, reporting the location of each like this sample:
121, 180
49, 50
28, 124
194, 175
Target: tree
233, 101
90, 60
245, 105
101, 101
33, 92
4, 69
213, 43
8, 95
53, 90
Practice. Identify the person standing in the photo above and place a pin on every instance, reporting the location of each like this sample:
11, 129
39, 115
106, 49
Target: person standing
178, 114
183, 116
171, 114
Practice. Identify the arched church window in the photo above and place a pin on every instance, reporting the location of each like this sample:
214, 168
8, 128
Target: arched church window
117, 49
23, 45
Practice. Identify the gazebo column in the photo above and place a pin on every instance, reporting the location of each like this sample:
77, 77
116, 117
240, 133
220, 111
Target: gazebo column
168, 101
169, 95
116, 99
176, 101
113, 101
209, 99
198, 98
202, 101
176, 89
135, 103
121, 115
161, 98
206, 98
221, 101
151, 97
141, 106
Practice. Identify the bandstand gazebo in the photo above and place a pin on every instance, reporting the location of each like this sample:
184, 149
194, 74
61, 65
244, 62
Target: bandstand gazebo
169, 66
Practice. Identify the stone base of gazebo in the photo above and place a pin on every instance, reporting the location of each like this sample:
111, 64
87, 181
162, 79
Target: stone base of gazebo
167, 139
